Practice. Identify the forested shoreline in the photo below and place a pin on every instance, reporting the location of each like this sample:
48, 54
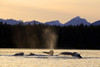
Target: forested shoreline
31, 36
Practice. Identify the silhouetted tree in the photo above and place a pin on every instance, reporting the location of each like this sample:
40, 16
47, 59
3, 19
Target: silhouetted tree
31, 36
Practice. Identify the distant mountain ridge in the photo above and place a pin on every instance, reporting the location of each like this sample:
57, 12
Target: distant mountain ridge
32, 22
14, 22
77, 21
74, 22
96, 23
10, 21
56, 22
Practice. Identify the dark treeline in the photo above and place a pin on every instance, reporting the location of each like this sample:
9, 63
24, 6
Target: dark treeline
31, 36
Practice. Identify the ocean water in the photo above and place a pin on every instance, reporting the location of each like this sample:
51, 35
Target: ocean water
91, 58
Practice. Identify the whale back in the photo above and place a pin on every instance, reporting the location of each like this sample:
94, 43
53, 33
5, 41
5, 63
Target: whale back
75, 54
51, 52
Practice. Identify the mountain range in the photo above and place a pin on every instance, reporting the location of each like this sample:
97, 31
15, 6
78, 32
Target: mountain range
96, 23
56, 22
75, 21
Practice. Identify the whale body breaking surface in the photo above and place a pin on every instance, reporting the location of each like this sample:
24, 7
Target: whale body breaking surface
51, 55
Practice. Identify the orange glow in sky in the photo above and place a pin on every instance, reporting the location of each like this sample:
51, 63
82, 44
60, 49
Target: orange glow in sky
48, 10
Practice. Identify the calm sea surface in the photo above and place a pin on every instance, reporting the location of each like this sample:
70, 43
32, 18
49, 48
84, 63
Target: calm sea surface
91, 58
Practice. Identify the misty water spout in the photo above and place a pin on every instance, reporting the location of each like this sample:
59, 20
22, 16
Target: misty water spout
50, 38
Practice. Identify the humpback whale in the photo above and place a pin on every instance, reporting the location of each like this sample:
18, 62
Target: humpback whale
51, 52
19, 54
74, 54
31, 54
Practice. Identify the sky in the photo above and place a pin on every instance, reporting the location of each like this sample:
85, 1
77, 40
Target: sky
49, 10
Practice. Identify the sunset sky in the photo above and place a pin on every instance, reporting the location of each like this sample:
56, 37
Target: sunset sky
48, 10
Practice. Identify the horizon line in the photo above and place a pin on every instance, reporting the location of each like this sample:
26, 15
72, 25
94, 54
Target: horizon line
46, 21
